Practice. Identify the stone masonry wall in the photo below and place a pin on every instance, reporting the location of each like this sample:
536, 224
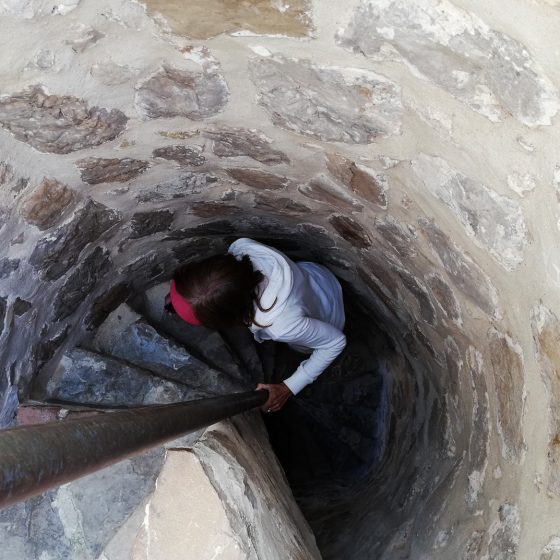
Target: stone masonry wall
409, 145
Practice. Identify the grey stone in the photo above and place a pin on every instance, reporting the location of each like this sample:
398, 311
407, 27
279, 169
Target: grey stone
3, 305
185, 155
78, 519
148, 223
496, 222
148, 349
506, 358
359, 179
171, 92
233, 142
49, 346
329, 103
322, 189
212, 209
7, 266
398, 236
480, 428
504, 534
56, 254
105, 304
259, 179
546, 335
420, 294
110, 170
282, 205
185, 184
46, 206
351, 230
90, 378
473, 546
28, 9
58, 124
216, 227
445, 297
81, 283
21, 307
489, 71
551, 551
11, 183
464, 273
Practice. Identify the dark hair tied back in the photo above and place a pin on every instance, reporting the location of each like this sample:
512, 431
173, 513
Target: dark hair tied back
222, 290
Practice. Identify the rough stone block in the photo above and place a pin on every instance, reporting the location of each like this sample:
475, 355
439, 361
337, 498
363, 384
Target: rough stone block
186, 183
81, 283
45, 207
110, 170
445, 297
322, 189
184, 155
359, 179
259, 179
506, 358
351, 230
212, 209
329, 103
450, 47
149, 223
90, 378
208, 18
8, 266
399, 237
285, 206
496, 222
233, 142
546, 335
171, 92
56, 254
464, 273
58, 124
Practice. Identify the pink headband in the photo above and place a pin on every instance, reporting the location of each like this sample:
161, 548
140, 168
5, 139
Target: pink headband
183, 308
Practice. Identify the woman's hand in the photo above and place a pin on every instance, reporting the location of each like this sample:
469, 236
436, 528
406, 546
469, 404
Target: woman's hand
278, 394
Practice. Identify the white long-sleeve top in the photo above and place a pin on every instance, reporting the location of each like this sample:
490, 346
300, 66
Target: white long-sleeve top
309, 310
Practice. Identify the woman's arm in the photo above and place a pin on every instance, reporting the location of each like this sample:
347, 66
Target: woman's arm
326, 341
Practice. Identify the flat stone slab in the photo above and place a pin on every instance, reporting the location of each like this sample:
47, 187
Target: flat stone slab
208, 18
449, 46
171, 92
124, 336
89, 378
496, 222
329, 103
58, 124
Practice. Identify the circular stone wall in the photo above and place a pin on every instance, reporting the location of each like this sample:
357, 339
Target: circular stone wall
410, 147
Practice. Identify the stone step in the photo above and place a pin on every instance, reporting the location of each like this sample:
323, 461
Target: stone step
126, 336
205, 344
242, 344
87, 377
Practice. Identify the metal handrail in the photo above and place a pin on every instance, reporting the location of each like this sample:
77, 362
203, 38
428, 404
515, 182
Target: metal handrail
38, 457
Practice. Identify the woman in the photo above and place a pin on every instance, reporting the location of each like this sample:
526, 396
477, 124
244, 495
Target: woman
297, 303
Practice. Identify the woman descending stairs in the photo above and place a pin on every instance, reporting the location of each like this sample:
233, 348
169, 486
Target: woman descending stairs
326, 438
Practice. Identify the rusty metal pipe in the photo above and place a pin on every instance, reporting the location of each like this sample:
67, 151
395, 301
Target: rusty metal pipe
36, 458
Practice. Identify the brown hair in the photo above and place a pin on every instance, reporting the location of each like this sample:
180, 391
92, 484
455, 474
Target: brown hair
222, 290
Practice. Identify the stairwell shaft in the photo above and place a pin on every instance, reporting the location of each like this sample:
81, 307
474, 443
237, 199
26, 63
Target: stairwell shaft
36, 458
